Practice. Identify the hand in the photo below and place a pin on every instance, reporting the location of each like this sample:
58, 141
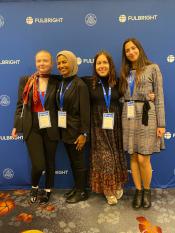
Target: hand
160, 132
14, 133
81, 140
152, 96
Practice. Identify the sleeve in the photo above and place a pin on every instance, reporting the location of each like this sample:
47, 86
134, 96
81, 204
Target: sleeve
159, 96
19, 105
87, 80
84, 108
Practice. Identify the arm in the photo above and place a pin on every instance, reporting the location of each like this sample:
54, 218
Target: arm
19, 106
159, 100
84, 115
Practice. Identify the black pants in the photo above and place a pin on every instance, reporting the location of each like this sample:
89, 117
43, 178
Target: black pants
42, 153
78, 166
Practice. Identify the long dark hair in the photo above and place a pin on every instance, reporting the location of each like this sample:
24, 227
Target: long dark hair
112, 71
126, 66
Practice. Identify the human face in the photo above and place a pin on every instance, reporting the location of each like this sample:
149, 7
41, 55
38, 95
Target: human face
63, 66
43, 61
132, 52
102, 66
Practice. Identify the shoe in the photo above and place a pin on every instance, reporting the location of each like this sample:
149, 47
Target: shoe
70, 193
33, 195
146, 198
77, 197
119, 193
111, 200
138, 198
45, 197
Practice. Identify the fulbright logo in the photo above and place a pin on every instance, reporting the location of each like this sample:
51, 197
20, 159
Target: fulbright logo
1, 21
124, 18
90, 19
8, 173
169, 135
59, 172
84, 60
170, 58
9, 62
10, 138
4, 100
30, 20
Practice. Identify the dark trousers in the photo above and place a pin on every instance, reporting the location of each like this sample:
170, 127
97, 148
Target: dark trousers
78, 166
42, 154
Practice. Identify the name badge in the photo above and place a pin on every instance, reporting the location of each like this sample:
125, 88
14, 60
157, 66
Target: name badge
130, 110
44, 120
62, 119
108, 121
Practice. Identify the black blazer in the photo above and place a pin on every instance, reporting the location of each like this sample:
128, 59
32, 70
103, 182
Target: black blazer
50, 105
77, 106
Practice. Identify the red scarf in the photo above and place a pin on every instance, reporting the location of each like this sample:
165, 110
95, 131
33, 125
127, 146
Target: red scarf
31, 83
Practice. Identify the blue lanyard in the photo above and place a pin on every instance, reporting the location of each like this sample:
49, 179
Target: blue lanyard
42, 98
63, 93
106, 97
131, 81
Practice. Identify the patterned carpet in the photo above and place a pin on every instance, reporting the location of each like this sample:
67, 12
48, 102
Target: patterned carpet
91, 216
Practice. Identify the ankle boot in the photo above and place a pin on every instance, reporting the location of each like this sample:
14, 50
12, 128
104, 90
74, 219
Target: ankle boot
69, 193
33, 195
45, 197
146, 198
77, 197
138, 197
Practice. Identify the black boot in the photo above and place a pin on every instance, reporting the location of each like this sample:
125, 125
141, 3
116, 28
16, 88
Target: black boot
77, 193
45, 197
33, 195
138, 197
77, 197
69, 193
146, 198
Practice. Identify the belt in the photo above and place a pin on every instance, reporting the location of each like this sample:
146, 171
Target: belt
146, 108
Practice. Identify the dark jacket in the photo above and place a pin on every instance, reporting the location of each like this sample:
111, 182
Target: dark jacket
24, 124
77, 106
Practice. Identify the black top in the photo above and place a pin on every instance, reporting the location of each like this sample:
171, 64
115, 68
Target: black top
76, 104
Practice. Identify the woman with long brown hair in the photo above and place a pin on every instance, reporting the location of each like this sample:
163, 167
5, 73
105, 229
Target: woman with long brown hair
143, 120
108, 170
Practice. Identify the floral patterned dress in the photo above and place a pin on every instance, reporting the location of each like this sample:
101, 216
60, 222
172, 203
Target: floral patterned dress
108, 167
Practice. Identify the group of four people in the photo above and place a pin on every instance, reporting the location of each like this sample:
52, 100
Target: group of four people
118, 115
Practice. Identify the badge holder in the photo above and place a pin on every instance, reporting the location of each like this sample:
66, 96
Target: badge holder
62, 119
44, 120
130, 110
108, 121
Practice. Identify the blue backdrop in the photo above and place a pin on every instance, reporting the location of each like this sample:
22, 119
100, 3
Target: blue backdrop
83, 27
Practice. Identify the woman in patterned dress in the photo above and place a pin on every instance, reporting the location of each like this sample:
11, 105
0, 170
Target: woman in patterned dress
143, 120
108, 169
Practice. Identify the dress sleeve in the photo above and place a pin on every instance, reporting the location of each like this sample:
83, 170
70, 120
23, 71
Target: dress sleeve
159, 96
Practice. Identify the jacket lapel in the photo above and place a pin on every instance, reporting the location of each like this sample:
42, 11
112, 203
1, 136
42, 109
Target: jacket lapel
50, 87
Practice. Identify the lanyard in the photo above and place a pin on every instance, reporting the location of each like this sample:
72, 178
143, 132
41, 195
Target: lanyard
106, 97
63, 93
42, 98
131, 81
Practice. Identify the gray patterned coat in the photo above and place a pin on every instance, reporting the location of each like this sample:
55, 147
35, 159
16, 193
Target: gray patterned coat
138, 138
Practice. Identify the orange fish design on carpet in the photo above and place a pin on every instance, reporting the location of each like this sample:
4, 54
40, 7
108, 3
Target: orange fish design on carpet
146, 227
6, 207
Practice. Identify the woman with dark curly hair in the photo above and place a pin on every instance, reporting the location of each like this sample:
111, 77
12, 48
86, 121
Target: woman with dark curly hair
108, 169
